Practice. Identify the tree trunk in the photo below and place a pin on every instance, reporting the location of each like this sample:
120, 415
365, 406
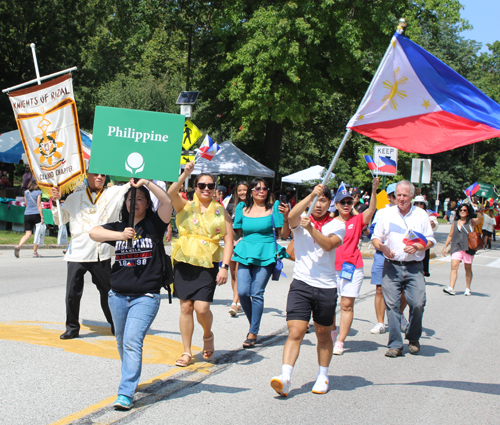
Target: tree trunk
272, 143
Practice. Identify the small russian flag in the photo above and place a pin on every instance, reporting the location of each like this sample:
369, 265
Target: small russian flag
471, 190
208, 148
370, 162
415, 237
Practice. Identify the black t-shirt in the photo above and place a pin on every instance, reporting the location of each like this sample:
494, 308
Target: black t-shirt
137, 270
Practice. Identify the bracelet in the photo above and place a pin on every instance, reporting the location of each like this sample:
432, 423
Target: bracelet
147, 184
285, 221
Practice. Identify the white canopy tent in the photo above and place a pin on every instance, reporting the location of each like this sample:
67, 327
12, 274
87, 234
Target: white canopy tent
231, 160
312, 173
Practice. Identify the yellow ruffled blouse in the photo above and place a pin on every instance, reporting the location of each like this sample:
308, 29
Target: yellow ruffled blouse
199, 234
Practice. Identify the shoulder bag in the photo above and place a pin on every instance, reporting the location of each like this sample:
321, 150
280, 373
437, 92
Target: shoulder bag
278, 266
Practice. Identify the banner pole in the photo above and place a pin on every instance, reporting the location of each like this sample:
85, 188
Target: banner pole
334, 161
131, 215
32, 45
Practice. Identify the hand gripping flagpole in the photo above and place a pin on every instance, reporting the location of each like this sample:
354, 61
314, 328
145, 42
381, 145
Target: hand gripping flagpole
334, 161
401, 29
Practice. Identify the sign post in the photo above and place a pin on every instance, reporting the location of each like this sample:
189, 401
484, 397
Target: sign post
421, 171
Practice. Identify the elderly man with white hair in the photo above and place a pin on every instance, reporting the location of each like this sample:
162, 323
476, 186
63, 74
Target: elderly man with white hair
403, 234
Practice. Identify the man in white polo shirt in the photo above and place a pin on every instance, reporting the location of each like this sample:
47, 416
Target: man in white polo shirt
402, 234
83, 210
314, 286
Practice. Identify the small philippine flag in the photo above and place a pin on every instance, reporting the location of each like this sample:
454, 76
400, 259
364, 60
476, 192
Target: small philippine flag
370, 162
208, 148
472, 189
415, 237
387, 165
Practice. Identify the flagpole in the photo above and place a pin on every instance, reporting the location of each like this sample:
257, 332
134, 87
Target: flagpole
329, 172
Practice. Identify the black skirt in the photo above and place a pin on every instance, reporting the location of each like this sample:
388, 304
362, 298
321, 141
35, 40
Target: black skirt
194, 282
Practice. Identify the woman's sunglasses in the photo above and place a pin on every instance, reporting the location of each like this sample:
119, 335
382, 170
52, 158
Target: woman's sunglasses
346, 202
419, 203
202, 186
260, 189
464, 210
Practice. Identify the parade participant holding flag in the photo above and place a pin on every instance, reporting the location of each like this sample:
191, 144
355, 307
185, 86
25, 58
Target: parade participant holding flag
403, 270
314, 286
348, 259
464, 223
84, 210
136, 277
202, 223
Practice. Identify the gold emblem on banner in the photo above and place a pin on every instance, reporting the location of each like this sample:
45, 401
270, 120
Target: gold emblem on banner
48, 146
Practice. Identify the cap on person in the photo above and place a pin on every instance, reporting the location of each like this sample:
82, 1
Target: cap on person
342, 195
419, 198
356, 191
391, 188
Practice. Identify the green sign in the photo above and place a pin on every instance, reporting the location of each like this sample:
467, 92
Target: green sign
141, 144
485, 191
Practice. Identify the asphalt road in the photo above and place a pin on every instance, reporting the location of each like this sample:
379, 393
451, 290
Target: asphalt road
455, 379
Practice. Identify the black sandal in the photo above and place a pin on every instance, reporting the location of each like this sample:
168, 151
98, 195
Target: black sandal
249, 342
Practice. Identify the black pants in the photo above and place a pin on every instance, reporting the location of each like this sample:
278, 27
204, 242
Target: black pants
101, 272
425, 262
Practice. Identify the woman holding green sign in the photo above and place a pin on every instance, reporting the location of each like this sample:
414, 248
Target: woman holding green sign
136, 278
202, 223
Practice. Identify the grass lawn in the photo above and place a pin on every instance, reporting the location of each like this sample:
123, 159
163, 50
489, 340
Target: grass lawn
8, 237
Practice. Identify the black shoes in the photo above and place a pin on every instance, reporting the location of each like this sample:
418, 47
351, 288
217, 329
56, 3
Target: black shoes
69, 335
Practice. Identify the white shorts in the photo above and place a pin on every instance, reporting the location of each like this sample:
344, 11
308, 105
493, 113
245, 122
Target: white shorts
350, 288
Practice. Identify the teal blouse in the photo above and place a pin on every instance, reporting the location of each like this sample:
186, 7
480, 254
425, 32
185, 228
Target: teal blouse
257, 245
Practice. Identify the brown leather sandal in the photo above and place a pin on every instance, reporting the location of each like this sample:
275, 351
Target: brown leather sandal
208, 347
181, 362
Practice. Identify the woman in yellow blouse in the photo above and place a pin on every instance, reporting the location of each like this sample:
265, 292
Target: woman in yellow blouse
202, 223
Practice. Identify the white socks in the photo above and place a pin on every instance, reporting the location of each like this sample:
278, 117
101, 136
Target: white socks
286, 372
323, 373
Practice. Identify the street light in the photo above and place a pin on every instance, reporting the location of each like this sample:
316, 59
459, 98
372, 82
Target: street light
187, 99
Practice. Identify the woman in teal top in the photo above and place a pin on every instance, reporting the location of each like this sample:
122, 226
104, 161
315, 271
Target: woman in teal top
255, 253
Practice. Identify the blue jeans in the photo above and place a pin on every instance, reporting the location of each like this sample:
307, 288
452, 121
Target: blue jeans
409, 278
252, 281
132, 317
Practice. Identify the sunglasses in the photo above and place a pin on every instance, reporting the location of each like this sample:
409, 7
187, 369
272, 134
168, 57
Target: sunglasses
419, 203
202, 186
466, 210
260, 189
345, 202
97, 174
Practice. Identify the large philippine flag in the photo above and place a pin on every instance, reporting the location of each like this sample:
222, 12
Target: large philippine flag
416, 103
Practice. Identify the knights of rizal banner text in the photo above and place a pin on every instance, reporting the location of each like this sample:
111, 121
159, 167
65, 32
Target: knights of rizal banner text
47, 120
141, 144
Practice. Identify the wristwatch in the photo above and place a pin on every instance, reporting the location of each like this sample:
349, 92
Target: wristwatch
224, 266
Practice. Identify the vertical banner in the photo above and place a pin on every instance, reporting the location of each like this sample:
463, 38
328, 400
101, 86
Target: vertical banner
47, 120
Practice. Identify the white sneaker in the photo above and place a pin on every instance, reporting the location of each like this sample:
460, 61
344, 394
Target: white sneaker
404, 324
338, 348
379, 328
321, 385
449, 290
335, 334
467, 292
280, 385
